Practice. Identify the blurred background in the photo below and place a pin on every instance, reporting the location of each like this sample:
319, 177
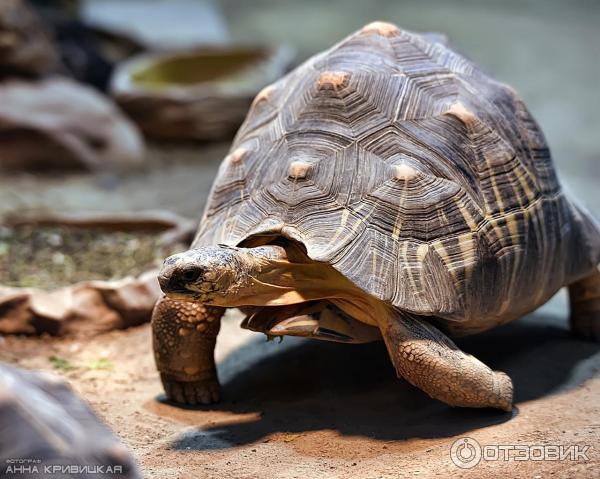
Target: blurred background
549, 50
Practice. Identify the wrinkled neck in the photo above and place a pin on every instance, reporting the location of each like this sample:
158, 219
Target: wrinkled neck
280, 276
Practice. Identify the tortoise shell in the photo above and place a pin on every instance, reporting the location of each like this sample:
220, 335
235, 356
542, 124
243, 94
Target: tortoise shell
413, 173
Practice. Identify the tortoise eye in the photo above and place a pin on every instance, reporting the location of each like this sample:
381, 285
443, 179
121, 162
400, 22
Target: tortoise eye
190, 274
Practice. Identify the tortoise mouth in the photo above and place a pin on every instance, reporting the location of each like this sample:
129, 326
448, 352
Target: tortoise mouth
190, 296
312, 319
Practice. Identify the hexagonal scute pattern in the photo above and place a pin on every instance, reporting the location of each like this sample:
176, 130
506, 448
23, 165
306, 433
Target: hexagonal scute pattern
396, 160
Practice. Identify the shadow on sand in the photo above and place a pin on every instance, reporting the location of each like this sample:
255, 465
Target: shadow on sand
352, 389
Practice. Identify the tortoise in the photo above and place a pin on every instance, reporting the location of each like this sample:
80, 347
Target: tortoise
385, 189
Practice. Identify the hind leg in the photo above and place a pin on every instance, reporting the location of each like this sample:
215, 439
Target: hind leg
184, 337
584, 297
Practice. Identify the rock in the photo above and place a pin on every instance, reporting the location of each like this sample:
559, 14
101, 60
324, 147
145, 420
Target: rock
85, 308
46, 426
201, 94
26, 46
56, 123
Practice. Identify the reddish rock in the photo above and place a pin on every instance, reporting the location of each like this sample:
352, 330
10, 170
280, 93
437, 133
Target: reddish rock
85, 308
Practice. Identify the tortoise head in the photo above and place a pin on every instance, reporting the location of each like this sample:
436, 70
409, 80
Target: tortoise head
224, 275
210, 274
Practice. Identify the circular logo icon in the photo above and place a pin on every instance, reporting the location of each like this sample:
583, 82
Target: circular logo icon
465, 452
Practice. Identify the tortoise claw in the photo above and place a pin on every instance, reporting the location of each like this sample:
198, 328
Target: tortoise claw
204, 391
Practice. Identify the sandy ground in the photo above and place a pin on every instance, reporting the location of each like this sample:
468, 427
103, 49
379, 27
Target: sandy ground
305, 409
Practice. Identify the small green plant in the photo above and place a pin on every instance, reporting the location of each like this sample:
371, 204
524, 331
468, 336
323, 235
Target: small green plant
62, 363
66, 365
102, 363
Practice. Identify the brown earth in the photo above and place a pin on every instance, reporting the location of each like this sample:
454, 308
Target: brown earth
305, 409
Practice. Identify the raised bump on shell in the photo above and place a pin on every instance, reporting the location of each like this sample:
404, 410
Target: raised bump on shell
461, 112
332, 79
382, 28
404, 172
237, 155
299, 169
264, 94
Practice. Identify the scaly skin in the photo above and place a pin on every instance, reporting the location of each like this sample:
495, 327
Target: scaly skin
584, 296
184, 337
428, 359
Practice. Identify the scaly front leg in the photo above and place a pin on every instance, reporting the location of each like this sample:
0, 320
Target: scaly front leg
184, 336
428, 359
